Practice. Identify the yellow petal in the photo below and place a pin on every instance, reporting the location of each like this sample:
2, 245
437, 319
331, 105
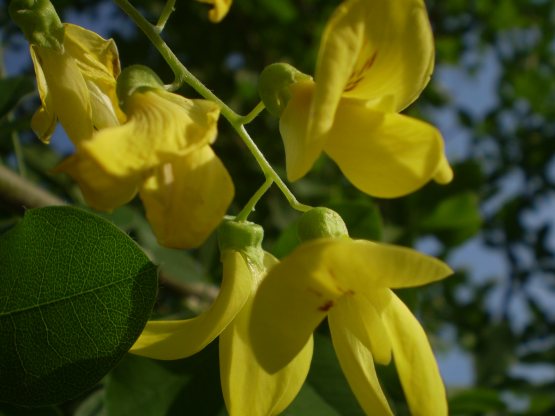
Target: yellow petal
44, 120
43, 123
358, 366
158, 130
290, 303
386, 265
383, 154
372, 50
98, 61
248, 388
444, 173
300, 151
186, 200
219, 9
105, 112
415, 361
96, 57
171, 340
67, 91
102, 191
357, 314
299, 292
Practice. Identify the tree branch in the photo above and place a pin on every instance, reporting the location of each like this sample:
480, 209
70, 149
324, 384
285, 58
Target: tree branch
20, 193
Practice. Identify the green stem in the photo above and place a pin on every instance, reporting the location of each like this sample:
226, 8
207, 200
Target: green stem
165, 15
267, 169
18, 150
253, 114
182, 75
250, 206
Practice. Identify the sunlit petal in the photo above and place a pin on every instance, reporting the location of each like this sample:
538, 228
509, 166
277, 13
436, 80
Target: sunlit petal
341, 42
415, 361
69, 96
357, 314
372, 50
248, 388
444, 173
157, 131
101, 190
219, 9
170, 340
291, 301
301, 151
44, 120
186, 199
98, 61
357, 364
383, 154
96, 57
387, 265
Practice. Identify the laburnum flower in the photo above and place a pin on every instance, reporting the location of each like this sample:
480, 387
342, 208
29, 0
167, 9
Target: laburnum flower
248, 389
163, 152
76, 72
219, 9
349, 282
375, 58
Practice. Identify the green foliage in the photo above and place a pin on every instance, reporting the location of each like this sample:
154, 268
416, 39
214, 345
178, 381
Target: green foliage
12, 90
510, 141
149, 387
76, 294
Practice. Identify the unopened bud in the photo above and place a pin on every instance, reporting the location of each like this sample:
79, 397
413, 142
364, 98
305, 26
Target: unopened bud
321, 223
274, 83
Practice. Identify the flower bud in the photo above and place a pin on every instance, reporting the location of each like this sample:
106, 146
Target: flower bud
274, 83
245, 237
136, 78
39, 22
321, 223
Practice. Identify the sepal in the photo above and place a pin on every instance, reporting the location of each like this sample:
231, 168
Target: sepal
321, 222
274, 83
39, 22
136, 78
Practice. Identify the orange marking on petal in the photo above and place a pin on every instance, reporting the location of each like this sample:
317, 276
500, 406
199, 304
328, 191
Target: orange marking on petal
359, 74
326, 306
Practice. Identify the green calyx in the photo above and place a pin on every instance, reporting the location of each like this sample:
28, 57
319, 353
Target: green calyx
245, 237
274, 83
136, 78
321, 223
39, 22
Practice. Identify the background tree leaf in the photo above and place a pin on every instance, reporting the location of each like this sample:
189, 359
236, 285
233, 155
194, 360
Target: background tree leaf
76, 294
11, 91
146, 387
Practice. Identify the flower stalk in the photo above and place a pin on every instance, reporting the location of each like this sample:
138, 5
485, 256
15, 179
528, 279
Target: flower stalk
183, 75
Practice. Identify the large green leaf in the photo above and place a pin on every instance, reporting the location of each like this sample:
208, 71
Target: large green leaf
76, 293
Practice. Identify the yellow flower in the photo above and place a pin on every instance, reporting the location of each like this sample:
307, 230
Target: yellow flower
247, 388
163, 152
219, 9
375, 59
77, 84
349, 282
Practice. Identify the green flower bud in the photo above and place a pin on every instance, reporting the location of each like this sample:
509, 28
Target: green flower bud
321, 223
274, 83
245, 237
136, 78
39, 22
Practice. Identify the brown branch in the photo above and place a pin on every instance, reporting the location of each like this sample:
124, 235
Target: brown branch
20, 193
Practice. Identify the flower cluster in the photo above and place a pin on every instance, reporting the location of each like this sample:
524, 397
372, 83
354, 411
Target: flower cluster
132, 136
